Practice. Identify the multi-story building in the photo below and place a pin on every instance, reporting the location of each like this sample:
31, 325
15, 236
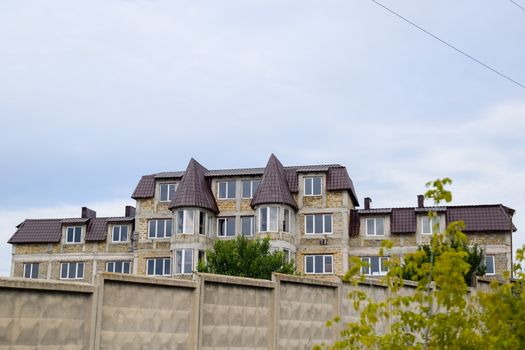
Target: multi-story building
307, 211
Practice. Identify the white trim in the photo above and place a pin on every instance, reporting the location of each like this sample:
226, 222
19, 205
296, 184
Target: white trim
176, 184
184, 252
252, 192
155, 266
312, 189
184, 219
324, 264
113, 227
157, 227
227, 182
252, 226
30, 266
382, 269
268, 221
77, 264
375, 227
313, 223
75, 227
435, 220
493, 265
226, 226
123, 262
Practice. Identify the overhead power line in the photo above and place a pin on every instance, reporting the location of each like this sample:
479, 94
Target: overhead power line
515, 3
450, 45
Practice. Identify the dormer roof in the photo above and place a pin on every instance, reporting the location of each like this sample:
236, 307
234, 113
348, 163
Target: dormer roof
274, 188
194, 190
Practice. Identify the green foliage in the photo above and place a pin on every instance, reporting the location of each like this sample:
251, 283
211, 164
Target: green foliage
438, 314
246, 258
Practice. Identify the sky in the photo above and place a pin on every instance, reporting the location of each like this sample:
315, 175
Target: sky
94, 94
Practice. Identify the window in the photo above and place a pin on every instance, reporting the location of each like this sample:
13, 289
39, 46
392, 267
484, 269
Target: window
185, 221
490, 265
318, 223
226, 189
159, 267
249, 187
183, 261
72, 270
118, 266
375, 227
73, 234
429, 225
268, 219
120, 233
160, 228
226, 227
374, 266
286, 221
202, 256
287, 255
167, 192
318, 264
313, 186
202, 223
31, 270
247, 225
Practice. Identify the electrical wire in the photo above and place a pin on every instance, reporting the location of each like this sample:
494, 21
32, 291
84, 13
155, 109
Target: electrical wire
450, 45
515, 3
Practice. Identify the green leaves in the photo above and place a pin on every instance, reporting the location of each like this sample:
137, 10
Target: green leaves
245, 258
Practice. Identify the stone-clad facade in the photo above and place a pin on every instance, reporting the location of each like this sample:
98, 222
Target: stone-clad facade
309, 213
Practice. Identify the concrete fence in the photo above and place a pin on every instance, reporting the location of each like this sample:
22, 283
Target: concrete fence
210, 312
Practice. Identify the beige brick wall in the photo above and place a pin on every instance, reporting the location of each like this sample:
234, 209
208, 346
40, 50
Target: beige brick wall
88, 271
489, 238
245, 205
313, 202
227, 205
118, 247
334, 199
37, 248
146, 206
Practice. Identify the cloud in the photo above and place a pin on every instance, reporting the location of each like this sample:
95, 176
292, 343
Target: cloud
9, 219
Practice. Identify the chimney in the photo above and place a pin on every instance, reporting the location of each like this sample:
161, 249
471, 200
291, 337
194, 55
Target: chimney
420, 201
88, 213
129, 212
368, 200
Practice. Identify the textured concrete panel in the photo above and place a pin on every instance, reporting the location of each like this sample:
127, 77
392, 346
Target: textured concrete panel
44, 319
144, 316
303, 312
236, 317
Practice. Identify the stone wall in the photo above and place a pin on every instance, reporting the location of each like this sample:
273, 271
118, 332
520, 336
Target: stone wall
208, 312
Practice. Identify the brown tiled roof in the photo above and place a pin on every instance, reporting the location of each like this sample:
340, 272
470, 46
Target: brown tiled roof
50, 230
403, 220
145, 187
337, 178
477, 218
481, 218
354, 223
194, 190
38, 231
274, 188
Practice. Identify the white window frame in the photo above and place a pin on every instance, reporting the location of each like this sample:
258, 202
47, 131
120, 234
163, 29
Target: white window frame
79, 237
383, 270
287, 255
287, 219
169, 185
493, 265
183, 255
226, 225
29, 270
252, 191
185, 215
269, 227
252, 225
313, 225
157, 229
375, 233
155, 261
228, 183
324, 264
119, 233
435, 220
111, 265
76, 266
309, 192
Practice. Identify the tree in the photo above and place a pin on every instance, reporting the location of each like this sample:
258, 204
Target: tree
438, 315
246, 258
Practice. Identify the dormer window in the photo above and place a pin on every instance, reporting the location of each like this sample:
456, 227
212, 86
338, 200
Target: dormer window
167, 192
73, 234
249, 187
313, 186
226, 189
429, 225
375, 227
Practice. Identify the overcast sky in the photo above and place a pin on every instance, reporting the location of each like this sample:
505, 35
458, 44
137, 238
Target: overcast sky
94, 94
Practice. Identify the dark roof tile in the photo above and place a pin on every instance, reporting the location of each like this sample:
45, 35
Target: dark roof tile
354, 223
145, 187
194, 190
403, 220
274, 188
481, 218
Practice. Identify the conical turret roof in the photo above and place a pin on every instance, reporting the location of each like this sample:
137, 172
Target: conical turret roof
273, 188
193, 189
